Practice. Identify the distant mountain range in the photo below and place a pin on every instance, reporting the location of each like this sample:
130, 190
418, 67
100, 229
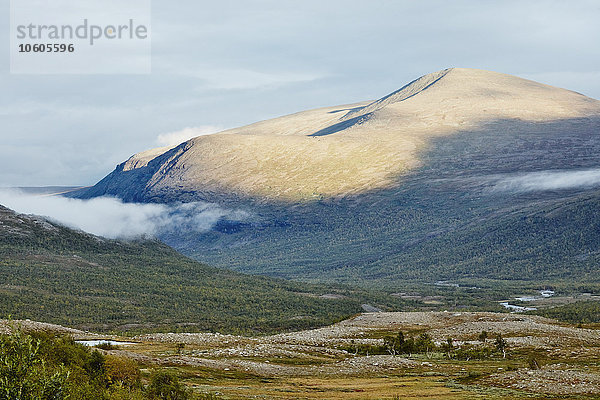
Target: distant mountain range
459, 174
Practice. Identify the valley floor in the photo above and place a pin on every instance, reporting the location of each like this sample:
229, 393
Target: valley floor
544, 359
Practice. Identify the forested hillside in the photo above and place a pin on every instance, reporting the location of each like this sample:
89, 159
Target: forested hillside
54, 274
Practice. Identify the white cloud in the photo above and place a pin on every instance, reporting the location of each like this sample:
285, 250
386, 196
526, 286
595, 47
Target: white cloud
549, 180
111, 218
178, 137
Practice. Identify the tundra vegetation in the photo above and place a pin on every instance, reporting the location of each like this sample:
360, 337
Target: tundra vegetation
374, 355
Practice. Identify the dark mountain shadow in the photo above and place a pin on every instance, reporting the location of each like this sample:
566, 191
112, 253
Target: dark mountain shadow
340, 126
440, 221
346, 109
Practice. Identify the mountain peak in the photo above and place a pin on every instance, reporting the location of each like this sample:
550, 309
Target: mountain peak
407, 91
475, 93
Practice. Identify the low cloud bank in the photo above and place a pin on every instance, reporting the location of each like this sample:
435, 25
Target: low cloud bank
111, 218
549, 180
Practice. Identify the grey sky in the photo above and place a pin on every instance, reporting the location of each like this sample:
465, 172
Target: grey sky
228, 63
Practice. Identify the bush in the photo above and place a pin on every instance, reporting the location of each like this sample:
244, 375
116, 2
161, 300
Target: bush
107, 346
122, 371
42, 366
24, 375
165, 385
472, 353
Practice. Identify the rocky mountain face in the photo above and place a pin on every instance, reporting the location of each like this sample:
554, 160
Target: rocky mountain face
460, 173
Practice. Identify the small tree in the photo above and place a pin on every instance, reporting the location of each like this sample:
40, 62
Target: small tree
448, 346
483, 336
355, 346
400, 338
393, 344
424, 343
409, 346
501, 345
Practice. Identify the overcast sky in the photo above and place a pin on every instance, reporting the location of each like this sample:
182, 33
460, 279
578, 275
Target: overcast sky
220, 64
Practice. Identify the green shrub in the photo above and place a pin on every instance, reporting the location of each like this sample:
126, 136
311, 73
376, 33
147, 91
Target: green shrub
43, 366
24, 374
165, 385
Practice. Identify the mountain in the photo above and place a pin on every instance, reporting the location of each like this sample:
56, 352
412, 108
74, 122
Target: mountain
459, 174
341, 150
55, 274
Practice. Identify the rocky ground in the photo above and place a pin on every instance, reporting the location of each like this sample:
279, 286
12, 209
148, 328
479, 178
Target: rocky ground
550, 381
